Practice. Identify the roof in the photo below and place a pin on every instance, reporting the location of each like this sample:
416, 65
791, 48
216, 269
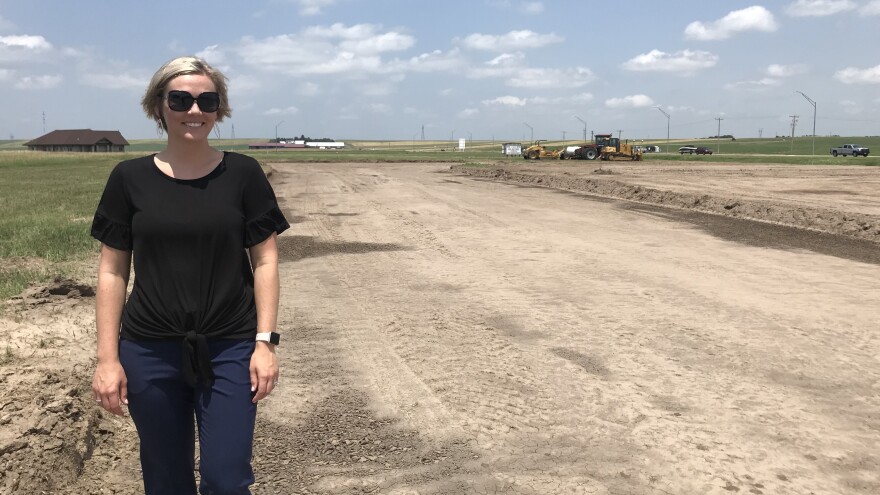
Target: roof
78, 136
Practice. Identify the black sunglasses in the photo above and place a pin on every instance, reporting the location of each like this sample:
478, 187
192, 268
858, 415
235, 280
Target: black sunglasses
182, 101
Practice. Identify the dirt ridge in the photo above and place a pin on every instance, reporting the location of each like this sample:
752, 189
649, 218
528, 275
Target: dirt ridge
859, 226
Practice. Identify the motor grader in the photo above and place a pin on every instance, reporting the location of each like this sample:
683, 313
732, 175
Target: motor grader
610, 148
538, 151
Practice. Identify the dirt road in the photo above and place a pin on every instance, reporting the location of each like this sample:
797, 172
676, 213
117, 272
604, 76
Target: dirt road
448, 334
454, 334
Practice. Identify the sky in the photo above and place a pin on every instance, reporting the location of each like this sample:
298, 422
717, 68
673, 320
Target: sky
497, 70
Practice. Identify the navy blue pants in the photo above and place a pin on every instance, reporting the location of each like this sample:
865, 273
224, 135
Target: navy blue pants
163, 405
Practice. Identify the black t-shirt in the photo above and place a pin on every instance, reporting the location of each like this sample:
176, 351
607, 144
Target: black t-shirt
188, 239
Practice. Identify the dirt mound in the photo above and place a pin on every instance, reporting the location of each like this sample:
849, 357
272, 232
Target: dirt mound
48, 418
854, 225
60, 289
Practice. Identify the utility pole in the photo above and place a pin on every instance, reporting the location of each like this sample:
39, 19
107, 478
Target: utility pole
563, 138
44, 122
814, 118
760, 133
585, 127
718, 136
423, 132
667, 127
276, 130
618, 134
794, 119
532, 129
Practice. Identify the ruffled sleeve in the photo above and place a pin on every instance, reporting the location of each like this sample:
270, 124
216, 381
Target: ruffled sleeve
262, 215
259, 229
114, 234
112, 222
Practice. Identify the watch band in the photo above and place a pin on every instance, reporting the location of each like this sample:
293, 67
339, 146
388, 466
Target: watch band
270, 337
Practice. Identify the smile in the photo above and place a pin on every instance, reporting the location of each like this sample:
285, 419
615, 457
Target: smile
193, 124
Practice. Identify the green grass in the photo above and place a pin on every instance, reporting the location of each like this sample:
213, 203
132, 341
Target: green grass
48, 201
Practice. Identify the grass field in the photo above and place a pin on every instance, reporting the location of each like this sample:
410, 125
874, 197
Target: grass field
48, 199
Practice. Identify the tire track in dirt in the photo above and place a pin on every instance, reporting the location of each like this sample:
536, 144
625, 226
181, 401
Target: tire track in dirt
605, 367
495, 396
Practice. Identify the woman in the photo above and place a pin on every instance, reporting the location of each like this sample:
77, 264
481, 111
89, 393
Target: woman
197, 335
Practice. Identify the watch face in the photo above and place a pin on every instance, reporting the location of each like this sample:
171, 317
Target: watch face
274, 338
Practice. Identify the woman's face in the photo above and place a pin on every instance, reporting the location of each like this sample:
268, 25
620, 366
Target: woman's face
193, 124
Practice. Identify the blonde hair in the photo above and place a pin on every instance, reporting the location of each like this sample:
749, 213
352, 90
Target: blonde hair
178, 67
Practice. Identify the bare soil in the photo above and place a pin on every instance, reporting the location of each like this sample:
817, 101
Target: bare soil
552, 327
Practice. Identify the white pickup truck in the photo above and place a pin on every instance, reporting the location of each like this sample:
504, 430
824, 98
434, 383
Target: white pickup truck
850, 150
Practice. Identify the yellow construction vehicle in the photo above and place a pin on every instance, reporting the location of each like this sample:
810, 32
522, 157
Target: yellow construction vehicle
612, 149
538, 151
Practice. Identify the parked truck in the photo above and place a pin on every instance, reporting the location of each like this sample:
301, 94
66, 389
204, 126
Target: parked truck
850, 150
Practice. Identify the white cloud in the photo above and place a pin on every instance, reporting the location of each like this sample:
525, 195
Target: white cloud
759, 85
871, 8
685, 62
819, 8
510, 101
334, 49
115, 81
532, 7
446, 92
633, 101
503, 65
361, 38
18, 48
39, 82
581, 98
27, 42
853, 75
313, 7
513, 40
213, 55
281, 111
468, 113
755, 18
777, 70
433, 62
551, 78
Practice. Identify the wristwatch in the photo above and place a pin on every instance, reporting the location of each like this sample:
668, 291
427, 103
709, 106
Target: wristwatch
270, 337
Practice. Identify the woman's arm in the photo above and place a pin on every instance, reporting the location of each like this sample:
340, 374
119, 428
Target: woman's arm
264, 364
109, 383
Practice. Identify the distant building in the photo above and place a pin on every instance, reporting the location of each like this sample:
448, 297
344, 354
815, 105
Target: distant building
85, 140
273, 146
325, 144
297, 144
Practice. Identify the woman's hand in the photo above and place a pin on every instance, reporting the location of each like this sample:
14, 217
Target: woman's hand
264, 370
110, 387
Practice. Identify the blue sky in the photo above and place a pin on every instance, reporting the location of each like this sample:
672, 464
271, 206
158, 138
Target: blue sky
477, 69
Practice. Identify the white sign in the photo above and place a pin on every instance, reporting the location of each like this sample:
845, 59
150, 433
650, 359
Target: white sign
461, 144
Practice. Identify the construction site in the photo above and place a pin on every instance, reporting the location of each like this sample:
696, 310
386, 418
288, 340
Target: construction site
528, 328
